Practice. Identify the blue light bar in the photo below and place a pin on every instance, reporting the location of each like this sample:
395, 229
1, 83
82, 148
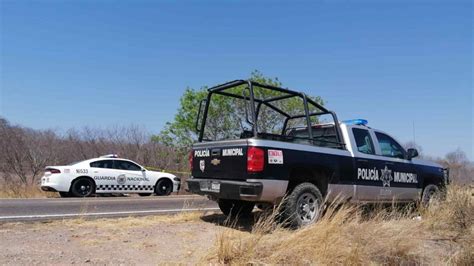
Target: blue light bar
359, 122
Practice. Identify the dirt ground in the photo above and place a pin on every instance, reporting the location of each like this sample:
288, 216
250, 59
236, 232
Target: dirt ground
182, 238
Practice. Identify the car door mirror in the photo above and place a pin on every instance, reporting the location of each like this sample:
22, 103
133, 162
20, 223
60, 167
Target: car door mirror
412, 153
143, 169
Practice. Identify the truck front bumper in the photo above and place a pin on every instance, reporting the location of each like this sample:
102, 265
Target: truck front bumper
258, 190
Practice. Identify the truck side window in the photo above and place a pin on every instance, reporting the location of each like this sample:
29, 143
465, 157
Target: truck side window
389, 146
363, 141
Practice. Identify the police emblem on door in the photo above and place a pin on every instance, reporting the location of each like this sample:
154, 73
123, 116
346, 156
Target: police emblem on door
121, 179
202, 165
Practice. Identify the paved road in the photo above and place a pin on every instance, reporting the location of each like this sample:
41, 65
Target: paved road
62, 208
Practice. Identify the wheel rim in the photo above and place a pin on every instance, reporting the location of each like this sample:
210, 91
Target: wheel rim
163, 188
84, 187
307, 208
431, 195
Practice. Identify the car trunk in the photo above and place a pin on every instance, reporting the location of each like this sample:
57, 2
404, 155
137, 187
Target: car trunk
220, 160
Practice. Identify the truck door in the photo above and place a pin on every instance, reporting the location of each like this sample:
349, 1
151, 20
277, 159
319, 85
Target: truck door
367, 165
398, 175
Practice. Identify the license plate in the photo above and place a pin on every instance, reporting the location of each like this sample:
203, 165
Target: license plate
215, 187
210, 186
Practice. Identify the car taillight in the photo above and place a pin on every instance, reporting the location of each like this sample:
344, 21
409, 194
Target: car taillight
53, 171
190, 159
255, 159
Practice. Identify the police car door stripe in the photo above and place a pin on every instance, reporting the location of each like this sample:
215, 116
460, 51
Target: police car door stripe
125, 187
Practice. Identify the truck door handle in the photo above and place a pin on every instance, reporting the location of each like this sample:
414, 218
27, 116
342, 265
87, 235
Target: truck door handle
215, 152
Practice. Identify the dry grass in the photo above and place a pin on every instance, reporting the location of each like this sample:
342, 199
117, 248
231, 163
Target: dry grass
18, 191
347, 235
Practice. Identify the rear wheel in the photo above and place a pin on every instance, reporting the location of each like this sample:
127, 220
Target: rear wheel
302, 206
236, 207
164, 187
82, 187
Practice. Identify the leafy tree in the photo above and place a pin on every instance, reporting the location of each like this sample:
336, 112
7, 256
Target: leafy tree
226, 115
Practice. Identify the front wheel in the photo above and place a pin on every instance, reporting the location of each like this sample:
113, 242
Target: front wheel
302, 206
164, 187
82, 187
430, 193
236, 207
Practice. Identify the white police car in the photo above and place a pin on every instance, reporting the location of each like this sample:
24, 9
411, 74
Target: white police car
107, 174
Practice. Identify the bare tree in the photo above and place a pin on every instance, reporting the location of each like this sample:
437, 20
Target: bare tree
460, 169
26, 152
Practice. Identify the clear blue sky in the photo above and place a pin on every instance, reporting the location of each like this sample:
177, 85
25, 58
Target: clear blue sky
74, 63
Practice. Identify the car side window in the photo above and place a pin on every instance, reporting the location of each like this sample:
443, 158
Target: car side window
389, 146
363, 141
109, 164
126, 165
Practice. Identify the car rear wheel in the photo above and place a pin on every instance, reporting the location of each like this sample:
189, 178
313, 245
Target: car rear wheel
144, 194
82, 187
164, 187
236, 207
302, 206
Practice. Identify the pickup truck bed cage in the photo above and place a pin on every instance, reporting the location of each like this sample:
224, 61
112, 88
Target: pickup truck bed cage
225, 90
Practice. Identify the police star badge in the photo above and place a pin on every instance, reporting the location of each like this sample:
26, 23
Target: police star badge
386, 176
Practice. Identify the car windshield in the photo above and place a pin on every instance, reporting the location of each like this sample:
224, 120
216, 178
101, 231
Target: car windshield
276, 114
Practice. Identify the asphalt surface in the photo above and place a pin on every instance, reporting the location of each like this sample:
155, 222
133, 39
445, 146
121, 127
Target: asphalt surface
16, 210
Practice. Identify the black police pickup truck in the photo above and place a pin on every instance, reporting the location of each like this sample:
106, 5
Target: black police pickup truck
258, 143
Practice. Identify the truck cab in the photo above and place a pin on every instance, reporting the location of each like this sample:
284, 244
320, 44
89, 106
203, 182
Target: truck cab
261, 144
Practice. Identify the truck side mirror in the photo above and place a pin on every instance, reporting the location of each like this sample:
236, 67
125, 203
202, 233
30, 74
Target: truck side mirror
412, 153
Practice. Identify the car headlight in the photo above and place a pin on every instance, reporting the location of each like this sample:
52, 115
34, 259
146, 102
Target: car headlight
177, 179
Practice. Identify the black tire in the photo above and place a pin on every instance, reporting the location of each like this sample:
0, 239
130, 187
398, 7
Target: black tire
430, 192
302, 206
82, 187
64, 194
236, 207
163, 187
144, 194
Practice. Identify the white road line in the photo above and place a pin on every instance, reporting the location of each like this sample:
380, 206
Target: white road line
120, 200
102, 198
66, 215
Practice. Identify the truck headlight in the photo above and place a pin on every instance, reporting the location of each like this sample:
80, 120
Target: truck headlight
446, 175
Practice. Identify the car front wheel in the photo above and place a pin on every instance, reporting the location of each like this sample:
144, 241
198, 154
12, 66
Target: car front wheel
164, 187
82, 187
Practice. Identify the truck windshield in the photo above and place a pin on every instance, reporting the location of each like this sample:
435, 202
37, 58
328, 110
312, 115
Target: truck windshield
274, 113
